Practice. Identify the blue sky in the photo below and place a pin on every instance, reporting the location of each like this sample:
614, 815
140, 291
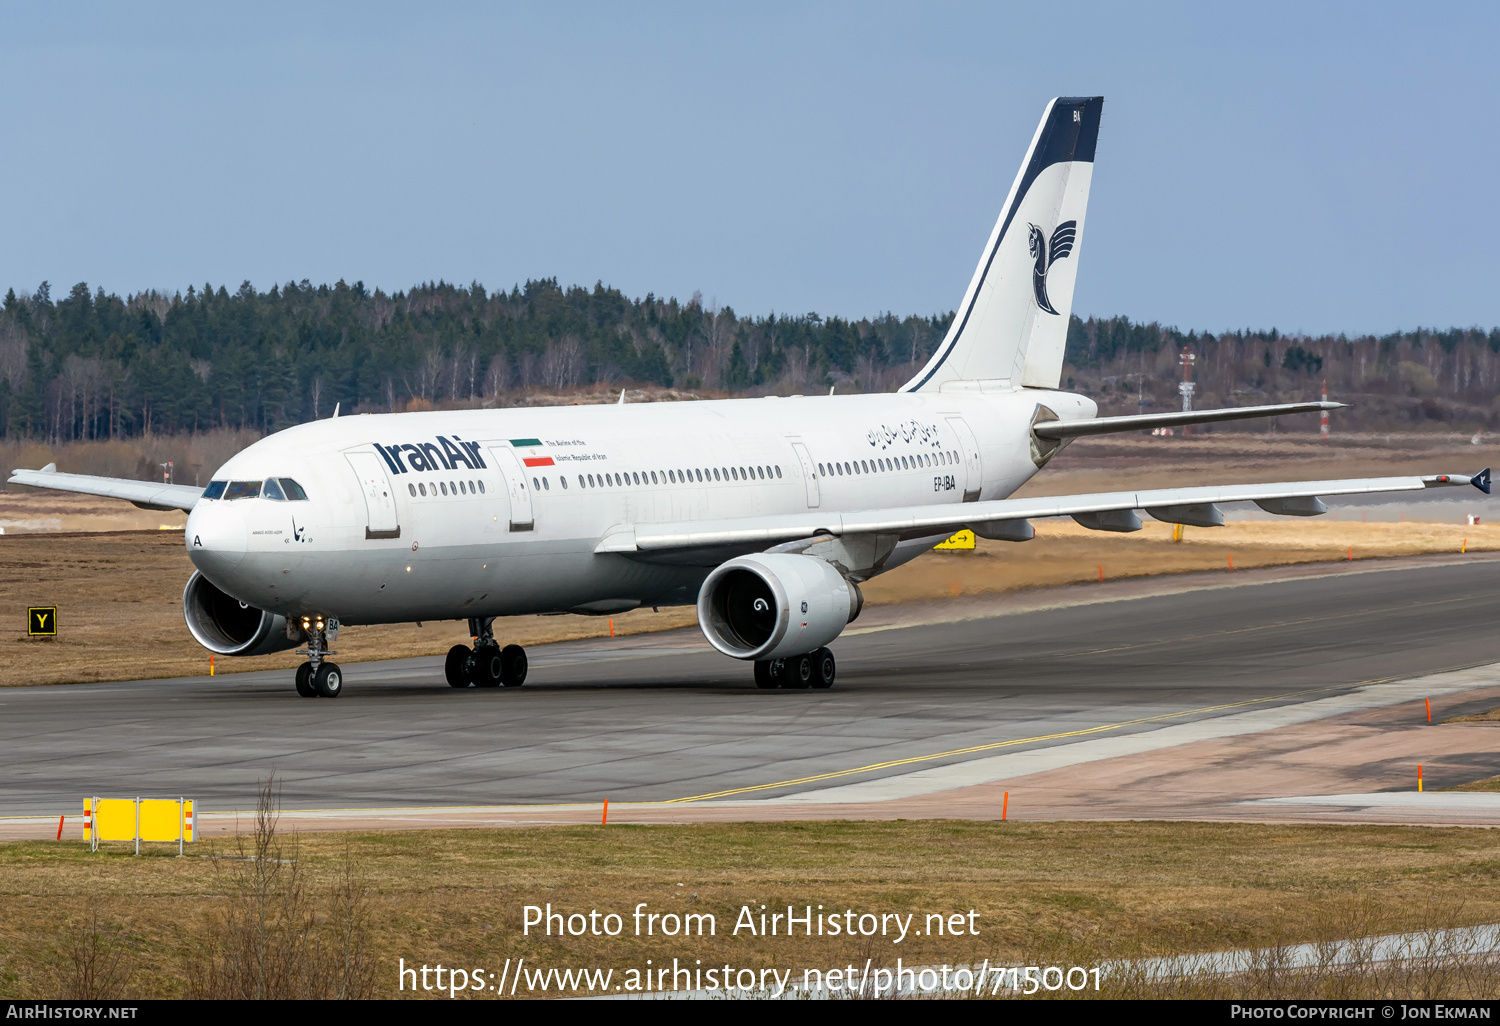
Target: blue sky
1316, 167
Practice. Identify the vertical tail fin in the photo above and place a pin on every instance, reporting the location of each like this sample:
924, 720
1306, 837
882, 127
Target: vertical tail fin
1012, 326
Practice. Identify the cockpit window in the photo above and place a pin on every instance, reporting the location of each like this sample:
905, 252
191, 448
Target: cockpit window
242, 490
214, 490
272, 490
293, 490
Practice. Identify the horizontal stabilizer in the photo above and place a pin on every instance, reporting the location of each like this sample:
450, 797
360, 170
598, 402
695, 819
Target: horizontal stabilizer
145, 494
1060, 429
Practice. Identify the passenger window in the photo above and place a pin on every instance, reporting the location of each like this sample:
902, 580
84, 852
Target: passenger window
761, 472
214, 490
242, 490
653, 477
412, 489
444, 487
591, 480
778, 471
536, 484
422, 490
820, 468
546, 486
563, 481
699, 473
481, 488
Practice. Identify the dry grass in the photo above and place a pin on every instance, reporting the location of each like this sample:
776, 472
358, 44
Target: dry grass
1493, 716
1488, 784
1063, 893
119, 594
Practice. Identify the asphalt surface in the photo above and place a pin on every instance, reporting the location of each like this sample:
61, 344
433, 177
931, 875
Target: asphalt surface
663, 717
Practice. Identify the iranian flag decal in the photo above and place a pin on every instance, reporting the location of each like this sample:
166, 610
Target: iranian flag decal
531, 461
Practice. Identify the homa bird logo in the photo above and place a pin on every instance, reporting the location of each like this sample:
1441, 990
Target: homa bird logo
1045, 256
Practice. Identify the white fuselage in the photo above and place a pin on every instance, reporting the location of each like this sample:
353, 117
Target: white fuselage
418, 516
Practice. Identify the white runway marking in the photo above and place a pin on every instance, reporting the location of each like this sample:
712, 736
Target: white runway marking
1447, 800
1018, 764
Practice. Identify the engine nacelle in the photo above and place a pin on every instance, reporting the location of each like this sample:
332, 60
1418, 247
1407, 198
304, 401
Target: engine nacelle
226, 626
774, 605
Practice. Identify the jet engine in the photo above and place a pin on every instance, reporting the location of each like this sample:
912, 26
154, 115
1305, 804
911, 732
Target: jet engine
226, 626
774, 605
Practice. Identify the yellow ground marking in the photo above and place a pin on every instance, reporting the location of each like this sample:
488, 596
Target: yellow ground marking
1084, 732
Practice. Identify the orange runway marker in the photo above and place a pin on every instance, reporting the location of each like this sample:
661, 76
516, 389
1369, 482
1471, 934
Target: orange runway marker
210, 665
611, 626
1465, 547
1101, 575
1005, 807
1231, 562
59, 826
1351, 553
1419, 777
605, 820
1428, 702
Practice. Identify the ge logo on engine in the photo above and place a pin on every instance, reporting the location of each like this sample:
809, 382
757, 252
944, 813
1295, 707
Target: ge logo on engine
761, 605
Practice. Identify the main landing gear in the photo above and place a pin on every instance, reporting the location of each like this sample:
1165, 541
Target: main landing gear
814, 670
486, 665
318, 677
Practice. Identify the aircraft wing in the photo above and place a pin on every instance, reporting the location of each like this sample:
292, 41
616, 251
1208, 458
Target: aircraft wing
1108, 511
145, 494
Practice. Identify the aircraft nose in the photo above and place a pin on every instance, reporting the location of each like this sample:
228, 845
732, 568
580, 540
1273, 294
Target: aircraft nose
216, 537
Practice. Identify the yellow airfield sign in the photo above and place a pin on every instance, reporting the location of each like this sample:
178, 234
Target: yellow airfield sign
41, 621
961, 540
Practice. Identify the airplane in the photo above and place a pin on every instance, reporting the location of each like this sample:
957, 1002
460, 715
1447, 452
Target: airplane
767, 514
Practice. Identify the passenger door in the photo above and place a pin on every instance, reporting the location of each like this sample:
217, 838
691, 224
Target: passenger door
380, 504
809, 474
514, 476
973, 471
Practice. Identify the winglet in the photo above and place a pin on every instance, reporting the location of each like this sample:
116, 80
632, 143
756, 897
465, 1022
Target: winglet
50, 468
1481, 480
622, 398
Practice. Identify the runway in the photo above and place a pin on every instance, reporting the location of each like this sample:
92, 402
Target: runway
661, 718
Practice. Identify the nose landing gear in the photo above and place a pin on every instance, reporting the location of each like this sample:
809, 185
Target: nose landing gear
486, 665
318, 677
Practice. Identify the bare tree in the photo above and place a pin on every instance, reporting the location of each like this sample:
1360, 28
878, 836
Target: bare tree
497, 377
562, 363
268, 942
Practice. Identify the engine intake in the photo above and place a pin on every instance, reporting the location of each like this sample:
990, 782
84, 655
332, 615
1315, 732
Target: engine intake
226, 626
773, 605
